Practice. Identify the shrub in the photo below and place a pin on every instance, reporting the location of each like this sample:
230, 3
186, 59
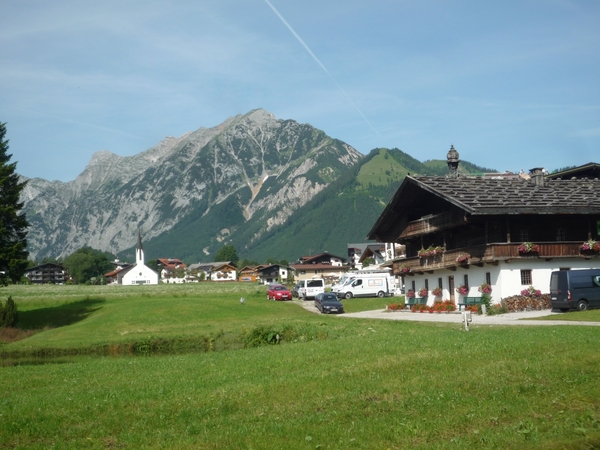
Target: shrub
496, 308
9, 316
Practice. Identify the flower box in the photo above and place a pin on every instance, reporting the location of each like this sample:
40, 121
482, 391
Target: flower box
430, 251
437, 292
590, 246
462, 290
463, 258
528, 247
485, 288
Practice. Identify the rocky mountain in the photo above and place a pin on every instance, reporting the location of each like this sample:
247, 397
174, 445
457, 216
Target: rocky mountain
244, 177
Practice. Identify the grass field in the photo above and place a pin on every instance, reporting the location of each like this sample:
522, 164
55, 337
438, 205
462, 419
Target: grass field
334, 382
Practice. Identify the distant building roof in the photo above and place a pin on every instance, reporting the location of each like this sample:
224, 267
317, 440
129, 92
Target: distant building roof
589, 170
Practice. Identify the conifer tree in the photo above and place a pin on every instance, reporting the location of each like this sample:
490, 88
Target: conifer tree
13, 223
9, 315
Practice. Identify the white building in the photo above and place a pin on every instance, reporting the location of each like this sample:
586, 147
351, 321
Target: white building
504, 230
139, 273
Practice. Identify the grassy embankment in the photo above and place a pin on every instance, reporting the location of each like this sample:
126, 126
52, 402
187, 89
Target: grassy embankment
350, 384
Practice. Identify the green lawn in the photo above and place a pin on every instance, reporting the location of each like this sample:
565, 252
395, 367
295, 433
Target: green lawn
576, 316
335, 383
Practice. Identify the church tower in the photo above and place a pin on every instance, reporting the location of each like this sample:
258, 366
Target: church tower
139, 252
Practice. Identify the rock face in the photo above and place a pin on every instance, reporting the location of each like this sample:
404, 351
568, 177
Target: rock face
271, 167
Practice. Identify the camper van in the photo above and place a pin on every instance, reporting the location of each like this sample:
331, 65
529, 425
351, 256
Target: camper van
348, 277
575, 289
310, 288
366, 286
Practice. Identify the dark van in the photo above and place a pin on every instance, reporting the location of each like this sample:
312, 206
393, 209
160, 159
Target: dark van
575, 289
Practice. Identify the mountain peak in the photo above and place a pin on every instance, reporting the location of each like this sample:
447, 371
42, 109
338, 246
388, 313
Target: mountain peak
211, 179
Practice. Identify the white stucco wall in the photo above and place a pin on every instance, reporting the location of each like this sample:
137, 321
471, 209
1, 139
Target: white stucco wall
505, 277
140, 274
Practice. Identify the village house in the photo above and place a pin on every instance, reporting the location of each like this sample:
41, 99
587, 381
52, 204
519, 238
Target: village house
378, 252
250, 273
274, 273
503, 230
112, 276
213, 271
323, 265
46, 273
172, 270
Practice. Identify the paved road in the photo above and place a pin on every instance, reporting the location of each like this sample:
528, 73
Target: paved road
519, 318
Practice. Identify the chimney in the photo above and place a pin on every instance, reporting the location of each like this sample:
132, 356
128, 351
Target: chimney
537, 174
453, 162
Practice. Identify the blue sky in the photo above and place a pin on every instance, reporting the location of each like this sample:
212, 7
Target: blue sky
511, 84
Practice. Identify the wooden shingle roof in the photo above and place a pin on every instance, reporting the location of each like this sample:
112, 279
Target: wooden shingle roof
477, 195
480, 196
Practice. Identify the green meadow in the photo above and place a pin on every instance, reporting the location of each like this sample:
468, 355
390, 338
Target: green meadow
188, 367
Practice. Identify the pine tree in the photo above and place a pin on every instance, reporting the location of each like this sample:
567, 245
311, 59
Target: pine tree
9, 316
13, 223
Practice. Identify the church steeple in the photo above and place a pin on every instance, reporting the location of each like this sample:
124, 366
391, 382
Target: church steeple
139, 252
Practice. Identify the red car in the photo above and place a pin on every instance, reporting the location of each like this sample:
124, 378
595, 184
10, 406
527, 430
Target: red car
278, 292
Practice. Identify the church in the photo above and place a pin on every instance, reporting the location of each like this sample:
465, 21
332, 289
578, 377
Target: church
139, 273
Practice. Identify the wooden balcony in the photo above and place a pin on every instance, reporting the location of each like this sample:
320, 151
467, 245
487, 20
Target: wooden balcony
489, 254
432, 224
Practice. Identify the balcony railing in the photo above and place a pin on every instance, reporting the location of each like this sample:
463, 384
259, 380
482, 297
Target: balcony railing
486, 254
431, 224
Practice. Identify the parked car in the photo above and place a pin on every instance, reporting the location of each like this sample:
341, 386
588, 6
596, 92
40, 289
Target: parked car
310, 288
295, 290
278, 292
328, 303
575, 289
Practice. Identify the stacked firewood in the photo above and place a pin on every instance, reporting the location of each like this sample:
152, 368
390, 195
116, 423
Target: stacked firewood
526, 303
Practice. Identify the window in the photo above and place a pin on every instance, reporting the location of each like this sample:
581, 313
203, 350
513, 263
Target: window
526, 277
488, 278
440, 283
523, 235
560, 234
467, 281
413, 285
426, 284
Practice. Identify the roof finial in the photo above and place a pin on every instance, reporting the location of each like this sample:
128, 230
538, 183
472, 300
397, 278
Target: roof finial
453, 162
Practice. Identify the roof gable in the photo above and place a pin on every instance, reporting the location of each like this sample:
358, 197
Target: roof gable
419, 196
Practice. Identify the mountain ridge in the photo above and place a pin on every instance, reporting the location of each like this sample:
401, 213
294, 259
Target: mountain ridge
268, 166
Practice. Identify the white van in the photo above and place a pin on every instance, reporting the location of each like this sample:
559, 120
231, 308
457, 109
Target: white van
349, 277
367, 286
310, 288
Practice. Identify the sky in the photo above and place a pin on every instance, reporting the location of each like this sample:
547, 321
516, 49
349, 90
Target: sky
512, 85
